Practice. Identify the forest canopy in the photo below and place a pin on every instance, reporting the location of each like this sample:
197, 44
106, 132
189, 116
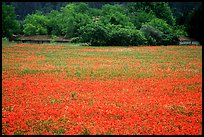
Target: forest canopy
119, 24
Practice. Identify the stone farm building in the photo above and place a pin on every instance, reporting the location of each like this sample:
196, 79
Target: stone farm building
188, 41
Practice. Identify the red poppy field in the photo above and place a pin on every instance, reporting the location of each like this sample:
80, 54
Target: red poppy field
70, 89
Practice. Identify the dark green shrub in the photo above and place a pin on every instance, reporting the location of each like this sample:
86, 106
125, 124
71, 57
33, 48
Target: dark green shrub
140, 18
158, 30
113, 35
10, 25
153, 35
137, 38
117, 35
94, 33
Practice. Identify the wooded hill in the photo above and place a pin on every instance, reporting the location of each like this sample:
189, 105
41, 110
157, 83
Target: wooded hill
105, 23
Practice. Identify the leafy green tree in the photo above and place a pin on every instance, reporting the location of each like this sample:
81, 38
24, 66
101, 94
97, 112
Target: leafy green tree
115, 14
160, 25
153, 35
107, 9
94, 33
99, 34
160, 9
73, 23
124, 36
80, 7
163, 11
95, 12
117, 35
141, 23
9, 23
113, 27
160, 31
35, 24
72, 17
137, 37
141, 17
53, 26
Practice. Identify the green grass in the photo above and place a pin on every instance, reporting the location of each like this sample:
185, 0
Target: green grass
30, 71
5, 41
81, 61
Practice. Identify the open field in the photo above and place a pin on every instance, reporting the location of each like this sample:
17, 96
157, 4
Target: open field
71, 89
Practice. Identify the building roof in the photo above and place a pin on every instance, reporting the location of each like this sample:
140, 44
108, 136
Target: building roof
42, 38
186, 39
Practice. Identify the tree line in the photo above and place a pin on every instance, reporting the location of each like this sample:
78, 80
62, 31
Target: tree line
139, 23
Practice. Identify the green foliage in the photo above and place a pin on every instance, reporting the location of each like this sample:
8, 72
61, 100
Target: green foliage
160, 25
119, 36
138, 23
137, 37
180, 30
141, 17
115, 19
53, 38
160, 32
53, 24
159, 9
5, 41
115, 14
152, 34
74, 22
95, 12
108, 9
94, 33
113, 27
72, 17
29, 29
35, 24
98, 34
116, 26
10, 25
78, 7
163, 11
